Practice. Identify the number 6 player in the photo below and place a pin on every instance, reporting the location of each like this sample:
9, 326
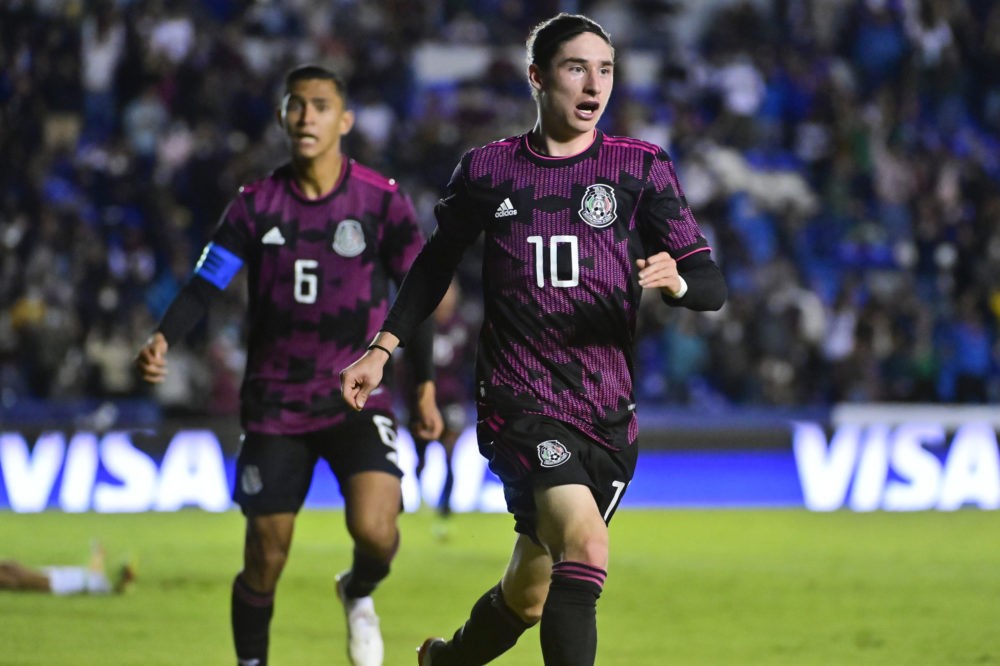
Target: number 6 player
321, 238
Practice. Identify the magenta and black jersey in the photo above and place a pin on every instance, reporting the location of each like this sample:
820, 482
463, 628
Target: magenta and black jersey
319, 273
560, 286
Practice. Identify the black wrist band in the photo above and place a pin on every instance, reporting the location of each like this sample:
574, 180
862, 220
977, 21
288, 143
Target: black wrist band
378, 346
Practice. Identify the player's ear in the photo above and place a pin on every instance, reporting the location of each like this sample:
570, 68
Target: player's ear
535, 77
346, 122
281, 113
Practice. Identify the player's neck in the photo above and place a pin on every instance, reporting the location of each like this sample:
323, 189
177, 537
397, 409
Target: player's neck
317, 177
551, 144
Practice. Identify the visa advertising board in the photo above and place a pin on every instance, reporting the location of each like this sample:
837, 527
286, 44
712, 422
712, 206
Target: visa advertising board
865, 458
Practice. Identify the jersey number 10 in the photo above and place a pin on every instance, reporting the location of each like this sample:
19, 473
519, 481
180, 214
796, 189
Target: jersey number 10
563, 260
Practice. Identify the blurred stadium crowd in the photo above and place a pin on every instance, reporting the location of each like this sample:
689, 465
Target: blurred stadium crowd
843, 155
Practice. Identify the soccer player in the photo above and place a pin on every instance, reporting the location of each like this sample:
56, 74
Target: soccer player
576, 224
67, 580
322, 237
452, 362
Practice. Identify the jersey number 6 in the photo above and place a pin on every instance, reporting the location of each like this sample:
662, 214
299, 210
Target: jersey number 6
306, 280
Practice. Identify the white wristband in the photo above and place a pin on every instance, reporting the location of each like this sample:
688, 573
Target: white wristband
683, 290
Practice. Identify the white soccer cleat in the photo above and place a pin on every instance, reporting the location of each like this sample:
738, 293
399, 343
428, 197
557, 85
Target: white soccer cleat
364, 639
424, 651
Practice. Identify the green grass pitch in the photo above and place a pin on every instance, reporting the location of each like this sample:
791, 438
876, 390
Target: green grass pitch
685, 588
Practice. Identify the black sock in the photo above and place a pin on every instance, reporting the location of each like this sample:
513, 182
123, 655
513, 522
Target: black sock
492, 629
569, 618
444, 503
366, 573
251, 620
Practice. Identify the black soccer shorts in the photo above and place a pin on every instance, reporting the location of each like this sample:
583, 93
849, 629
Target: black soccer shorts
530, 451
274, 472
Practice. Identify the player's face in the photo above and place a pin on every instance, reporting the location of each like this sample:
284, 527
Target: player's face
314, 117
573, 90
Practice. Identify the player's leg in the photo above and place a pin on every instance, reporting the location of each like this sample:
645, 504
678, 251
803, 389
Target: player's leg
574, 532
273, 475
506, 610
16, 576
448, 440
265, 550
362, 454
420, 449
455, 417
501, 615
372, 502
574, 506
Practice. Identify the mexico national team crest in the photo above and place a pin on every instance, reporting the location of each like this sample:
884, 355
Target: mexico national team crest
349, 239
552, 453
250, 480
598, 206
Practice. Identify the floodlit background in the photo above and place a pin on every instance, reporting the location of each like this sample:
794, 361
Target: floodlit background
841, 155
839, 415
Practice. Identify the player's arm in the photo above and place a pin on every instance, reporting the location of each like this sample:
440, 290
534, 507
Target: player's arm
401, 244
679, 260
426, 420
212, 274
695, 282
422, 289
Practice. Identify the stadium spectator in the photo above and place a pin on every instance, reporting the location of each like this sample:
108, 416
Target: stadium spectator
576, 223
322, 238
870, 166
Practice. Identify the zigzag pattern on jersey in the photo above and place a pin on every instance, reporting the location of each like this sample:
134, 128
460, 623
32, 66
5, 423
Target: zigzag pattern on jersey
311, 309
572, 357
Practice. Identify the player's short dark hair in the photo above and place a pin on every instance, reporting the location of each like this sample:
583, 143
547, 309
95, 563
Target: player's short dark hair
546, 37
311, 72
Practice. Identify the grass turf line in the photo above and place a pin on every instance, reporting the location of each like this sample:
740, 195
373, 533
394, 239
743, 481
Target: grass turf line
685, 588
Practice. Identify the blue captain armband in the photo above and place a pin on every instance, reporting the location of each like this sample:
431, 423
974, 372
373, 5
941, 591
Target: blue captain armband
218, 265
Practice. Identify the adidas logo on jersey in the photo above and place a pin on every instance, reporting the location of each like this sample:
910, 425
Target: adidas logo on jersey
505, 209
273, 237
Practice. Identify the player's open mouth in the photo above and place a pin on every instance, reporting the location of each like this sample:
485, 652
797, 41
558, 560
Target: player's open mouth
586, 110
305, 139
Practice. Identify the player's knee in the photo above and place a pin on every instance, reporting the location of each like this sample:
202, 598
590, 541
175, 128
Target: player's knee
266, 563
588, 547
374, 535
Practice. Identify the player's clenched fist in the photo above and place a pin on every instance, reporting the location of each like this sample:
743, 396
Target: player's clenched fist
660, 270
151, 361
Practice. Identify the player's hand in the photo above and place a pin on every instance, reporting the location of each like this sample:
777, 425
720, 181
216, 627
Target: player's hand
426, 421
359, 379
151, 361
660, 270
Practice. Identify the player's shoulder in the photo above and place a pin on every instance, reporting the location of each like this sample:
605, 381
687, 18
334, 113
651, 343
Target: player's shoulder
493, 152
508, 145
631, 143
267, 186
369, 177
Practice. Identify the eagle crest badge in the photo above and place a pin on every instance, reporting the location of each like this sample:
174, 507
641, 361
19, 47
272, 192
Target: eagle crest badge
349, 239
598, 207
552, 453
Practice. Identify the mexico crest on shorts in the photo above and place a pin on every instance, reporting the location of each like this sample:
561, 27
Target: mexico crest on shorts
552, 453
599, 205
250, 481
349, 239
